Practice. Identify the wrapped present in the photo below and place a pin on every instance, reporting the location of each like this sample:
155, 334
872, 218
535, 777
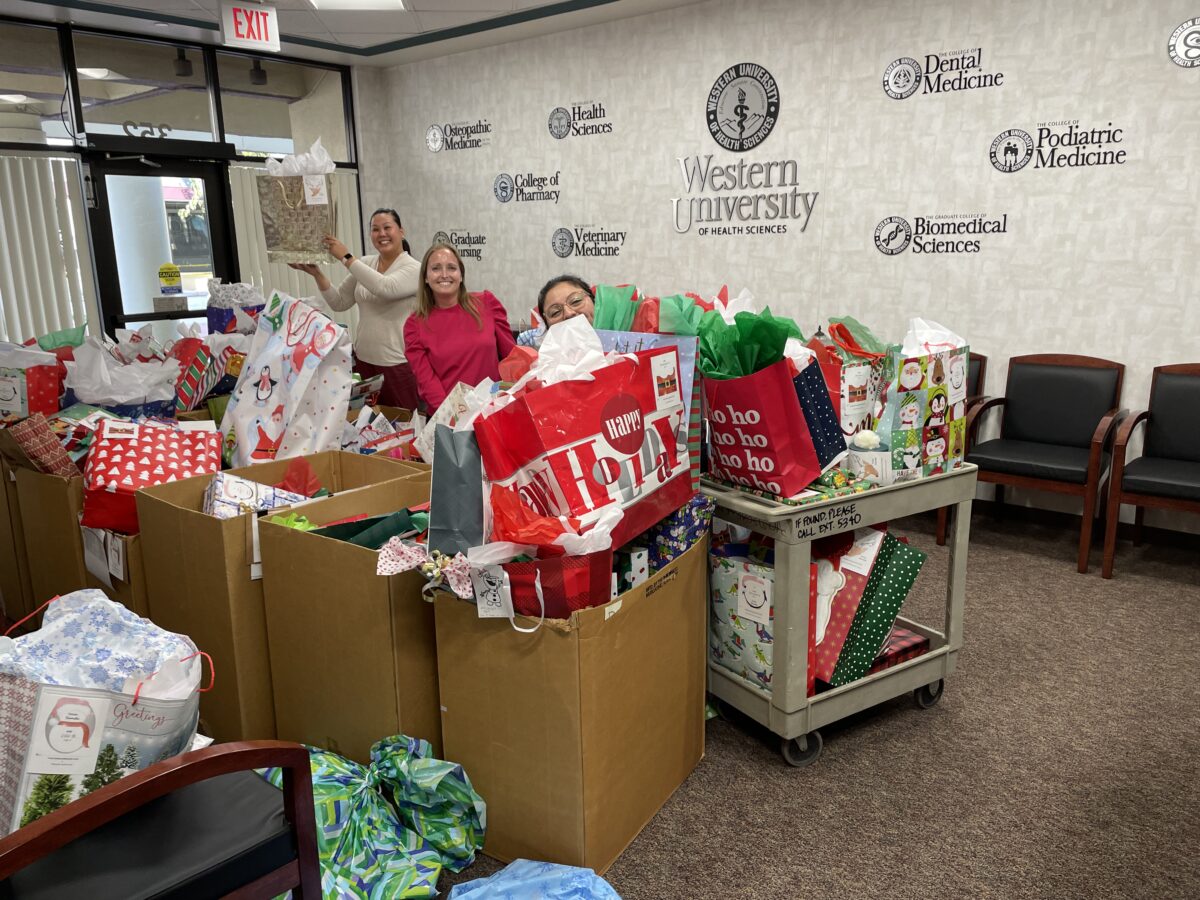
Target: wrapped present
844, 564
632, 567
228, 496
679, 532
365, 392
517, 363
892, 577
32, 443
127, 456
901, 645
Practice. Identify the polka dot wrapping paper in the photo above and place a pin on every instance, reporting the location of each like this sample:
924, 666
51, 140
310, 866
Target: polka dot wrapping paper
823, 425
891, 579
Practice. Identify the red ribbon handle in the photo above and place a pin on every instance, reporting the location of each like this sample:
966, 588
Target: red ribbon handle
841, 335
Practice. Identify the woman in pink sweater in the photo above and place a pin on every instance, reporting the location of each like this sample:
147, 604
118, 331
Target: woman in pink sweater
453, 336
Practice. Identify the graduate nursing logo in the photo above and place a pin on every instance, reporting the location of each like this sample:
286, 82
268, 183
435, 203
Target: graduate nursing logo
458, 136
742, 107
469, 244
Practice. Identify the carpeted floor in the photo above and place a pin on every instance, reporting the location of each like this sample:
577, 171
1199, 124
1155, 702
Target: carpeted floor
1062, 761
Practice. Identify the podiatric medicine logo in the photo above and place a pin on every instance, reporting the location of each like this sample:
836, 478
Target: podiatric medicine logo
580, 120
743, 107
902, 78
586, 240
459, 135
893, 235
1011, 150
1184, 46
527, 187
504, 187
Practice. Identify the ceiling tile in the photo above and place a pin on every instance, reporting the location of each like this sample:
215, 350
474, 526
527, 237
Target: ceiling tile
436, 21
368, 40
300, 22
382, 24
496, 6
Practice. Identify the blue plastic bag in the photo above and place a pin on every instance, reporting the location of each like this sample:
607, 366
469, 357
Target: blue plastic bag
524, 879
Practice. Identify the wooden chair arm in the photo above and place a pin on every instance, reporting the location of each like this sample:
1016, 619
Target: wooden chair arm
54, 830
1125, 432
1100, 437
975, 412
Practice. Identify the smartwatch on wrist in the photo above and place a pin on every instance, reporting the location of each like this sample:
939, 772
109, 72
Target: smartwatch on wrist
348, 257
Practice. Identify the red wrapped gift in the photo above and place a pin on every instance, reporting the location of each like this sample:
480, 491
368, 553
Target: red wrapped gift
127, 456
844, 563
901, 645
568, 583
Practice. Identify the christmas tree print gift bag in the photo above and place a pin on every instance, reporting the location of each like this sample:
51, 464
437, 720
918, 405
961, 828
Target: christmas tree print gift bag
95, 693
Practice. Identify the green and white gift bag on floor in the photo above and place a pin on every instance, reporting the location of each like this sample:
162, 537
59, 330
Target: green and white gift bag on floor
891, 579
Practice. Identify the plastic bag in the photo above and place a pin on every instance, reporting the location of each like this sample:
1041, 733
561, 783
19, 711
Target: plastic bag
543, 880
316, 161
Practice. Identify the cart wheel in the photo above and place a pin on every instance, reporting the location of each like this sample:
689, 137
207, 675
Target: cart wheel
726, 711
802, 751
928, 695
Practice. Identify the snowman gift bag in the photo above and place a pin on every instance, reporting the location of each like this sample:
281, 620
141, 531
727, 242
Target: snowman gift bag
921, 412
294, 390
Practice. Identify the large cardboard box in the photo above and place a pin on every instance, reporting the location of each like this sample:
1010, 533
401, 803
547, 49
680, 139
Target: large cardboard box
50, 508
577, 734
116, 568
16, 591
200, 583
353, 655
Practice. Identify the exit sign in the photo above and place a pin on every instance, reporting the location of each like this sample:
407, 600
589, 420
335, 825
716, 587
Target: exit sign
250, 25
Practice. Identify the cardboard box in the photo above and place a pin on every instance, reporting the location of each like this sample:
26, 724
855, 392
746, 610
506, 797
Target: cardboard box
195, 415
577, 734
116, 568
198, 577
50, 508
353, 653
16, 592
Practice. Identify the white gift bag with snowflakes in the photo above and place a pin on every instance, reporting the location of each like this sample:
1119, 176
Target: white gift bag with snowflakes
294, 391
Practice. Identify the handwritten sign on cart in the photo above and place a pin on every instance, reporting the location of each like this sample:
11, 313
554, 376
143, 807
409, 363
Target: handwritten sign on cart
827, 520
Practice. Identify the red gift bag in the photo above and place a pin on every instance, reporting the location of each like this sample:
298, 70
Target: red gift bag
577, 447
127, 456
27, 389
568, 583
759, 435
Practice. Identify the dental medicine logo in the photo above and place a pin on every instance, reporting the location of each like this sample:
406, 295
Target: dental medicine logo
1011, 150
893, 235
743, 107
458, 136
504, 187
435, 139
1184, 46
902, 78
586, 240
562, 242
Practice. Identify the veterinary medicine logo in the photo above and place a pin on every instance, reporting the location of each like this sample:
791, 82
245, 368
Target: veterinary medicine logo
435, 139
893, 235
743, 107
559, 122
1184, 46
1011, 150
504, 187
587, 240
902, 78
562, 242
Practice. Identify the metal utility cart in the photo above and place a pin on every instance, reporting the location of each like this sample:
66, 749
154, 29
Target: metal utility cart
786, 709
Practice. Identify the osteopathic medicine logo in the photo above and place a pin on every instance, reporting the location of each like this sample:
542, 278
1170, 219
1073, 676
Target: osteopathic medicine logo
586, 240
939, 73
1062, 144
527, 187
579, 120
941, 233
1184, 46
459, 136
469, 244
743, 107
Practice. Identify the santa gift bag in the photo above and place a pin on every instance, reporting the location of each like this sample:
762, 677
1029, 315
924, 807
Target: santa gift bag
30, 382
579, 446
862, 368
294, 390
94, 694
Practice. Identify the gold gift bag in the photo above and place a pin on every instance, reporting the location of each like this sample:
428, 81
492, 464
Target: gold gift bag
297, 212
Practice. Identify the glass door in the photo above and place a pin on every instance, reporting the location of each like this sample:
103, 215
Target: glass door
152, 212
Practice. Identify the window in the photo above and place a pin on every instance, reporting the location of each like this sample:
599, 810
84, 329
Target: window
279, 107
142, 89
33, 101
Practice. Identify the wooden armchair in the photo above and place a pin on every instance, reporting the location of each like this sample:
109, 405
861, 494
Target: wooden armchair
202, 824
976, 379
1167, 474
1060, 413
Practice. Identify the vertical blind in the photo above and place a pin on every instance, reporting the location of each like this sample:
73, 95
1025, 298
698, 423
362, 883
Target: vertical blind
46, 281
252, 246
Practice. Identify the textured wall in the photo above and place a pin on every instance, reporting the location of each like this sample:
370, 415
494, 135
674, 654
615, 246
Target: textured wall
1094, 259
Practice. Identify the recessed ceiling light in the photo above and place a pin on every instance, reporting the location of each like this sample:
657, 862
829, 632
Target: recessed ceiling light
162, 24
93, 73
358, 4
13, 98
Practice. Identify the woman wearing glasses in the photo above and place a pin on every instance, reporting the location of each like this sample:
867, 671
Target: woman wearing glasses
561, 298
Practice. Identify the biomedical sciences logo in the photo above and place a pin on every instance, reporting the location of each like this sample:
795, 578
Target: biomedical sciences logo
458, 136
943, 233
527, 188
579, 120
586, 240
469, 244
1059, 145
952, 70
743, 107
1184, 46
741, 198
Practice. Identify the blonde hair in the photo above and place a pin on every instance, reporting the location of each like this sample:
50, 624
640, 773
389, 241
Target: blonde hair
425, 304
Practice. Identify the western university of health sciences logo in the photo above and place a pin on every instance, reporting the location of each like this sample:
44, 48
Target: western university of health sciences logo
586, 240
579, 120
943, 233
939, 73
1058, 145
458, 136
743, 107
1183, 48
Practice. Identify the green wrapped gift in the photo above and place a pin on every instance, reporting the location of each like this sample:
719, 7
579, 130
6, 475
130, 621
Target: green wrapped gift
891, 579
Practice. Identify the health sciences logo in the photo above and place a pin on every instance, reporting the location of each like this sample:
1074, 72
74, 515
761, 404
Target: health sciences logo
954, 70
580, 120
458, 136
527, 188
1059, 145
743, 107
1183, 48
966, 233
586, 240
469, 244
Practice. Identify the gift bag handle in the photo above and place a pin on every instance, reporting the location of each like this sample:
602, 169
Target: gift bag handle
537, 589
212, 679
13, 627
842, 336
283, 193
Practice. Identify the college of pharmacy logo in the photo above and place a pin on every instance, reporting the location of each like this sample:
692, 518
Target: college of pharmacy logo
893, 235
1011, 150
504, 187
435, 139
743, 107
902, 78
562, 242
559, 122
1184, 46
440, 237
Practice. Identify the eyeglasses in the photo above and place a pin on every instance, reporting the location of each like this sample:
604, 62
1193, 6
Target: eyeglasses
575, 301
